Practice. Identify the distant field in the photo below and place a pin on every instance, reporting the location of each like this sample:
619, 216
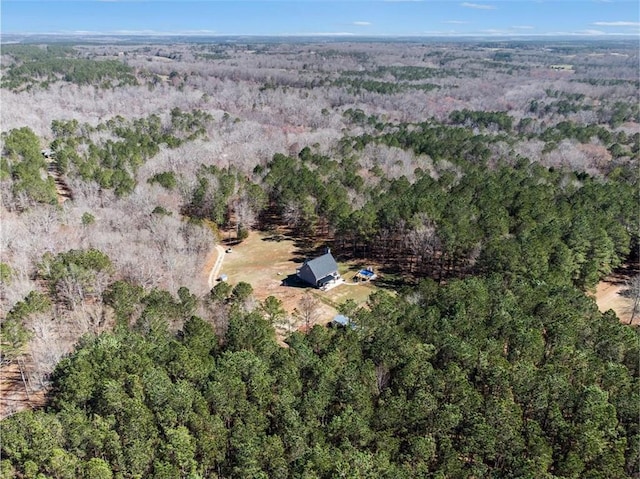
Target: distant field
265, 263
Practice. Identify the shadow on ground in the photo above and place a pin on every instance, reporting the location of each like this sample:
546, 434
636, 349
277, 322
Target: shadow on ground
292, 281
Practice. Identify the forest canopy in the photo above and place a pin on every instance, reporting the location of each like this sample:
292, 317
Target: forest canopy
476, 378
492, 185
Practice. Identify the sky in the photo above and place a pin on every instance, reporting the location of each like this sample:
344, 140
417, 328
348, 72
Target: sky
489, 18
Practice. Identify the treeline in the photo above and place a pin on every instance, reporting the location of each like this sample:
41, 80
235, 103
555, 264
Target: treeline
358, 85
405, 73
482, 119
34, 53
580, 228
458, 142
69, 279
491, 377
42, 66
24, 168
223, 193
108, 154
525, 220
468, 217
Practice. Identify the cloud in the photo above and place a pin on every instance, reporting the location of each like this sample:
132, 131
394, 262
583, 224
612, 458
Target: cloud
317, 34
456, 22
617, 24
523, 27
478, 6
163, 32
590, 32
361, 24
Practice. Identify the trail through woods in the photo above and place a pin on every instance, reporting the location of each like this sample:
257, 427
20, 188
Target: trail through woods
62, 189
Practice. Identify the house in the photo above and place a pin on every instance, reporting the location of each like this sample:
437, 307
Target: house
320, 272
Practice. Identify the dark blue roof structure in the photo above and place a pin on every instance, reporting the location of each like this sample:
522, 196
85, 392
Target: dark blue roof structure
319, 271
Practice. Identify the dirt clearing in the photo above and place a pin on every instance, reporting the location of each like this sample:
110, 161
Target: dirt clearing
610, 293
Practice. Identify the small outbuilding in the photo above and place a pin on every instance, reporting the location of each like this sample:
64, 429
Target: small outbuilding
366, 274
320, 272
342, 321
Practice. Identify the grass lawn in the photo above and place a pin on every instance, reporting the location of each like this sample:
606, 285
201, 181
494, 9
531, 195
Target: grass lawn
264, 262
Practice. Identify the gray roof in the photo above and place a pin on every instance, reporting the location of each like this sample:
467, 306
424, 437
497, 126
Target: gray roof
322, 265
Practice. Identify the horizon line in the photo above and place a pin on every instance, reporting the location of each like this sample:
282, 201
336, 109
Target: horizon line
326, 34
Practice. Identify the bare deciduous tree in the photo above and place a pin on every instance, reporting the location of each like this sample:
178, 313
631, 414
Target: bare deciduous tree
245, 215
383, 375
633, 293
308, 310
422, 241
46, 347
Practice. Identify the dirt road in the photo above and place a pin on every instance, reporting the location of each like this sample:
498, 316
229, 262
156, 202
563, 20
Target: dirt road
215, 271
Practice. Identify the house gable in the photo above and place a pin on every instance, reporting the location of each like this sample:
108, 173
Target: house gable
319, 270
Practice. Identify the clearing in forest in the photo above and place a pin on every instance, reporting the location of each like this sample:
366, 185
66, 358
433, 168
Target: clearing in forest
268, 262
612, 293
